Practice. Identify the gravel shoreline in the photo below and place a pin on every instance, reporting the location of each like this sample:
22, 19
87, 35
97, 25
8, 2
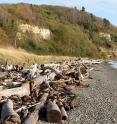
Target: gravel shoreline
98, 103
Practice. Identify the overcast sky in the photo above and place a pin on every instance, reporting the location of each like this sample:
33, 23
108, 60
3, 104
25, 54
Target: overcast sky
102, 8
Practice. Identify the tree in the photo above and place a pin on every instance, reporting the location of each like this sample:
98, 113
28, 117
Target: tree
83, 9
106, 23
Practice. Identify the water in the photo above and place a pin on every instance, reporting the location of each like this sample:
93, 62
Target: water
113, 64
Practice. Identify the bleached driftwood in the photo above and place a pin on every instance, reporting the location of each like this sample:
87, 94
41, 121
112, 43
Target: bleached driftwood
53, 70
39, 80
20, 91
35, 84
32, 118
63, 111
8, 115
32, 72
3, 75
10, 85
81, 77
47, 83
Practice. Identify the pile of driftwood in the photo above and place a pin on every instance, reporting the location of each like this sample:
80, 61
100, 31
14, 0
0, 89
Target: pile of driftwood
41, 92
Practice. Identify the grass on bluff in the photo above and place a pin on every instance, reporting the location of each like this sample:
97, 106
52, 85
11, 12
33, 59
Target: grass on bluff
20, 56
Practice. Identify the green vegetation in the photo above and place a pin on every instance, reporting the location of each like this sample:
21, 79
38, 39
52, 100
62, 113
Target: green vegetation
74, 32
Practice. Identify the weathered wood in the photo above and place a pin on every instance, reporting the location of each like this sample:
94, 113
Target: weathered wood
53, 70
80, 74
20, 91
2, 101
11, 85
61, 81
21, 108
51, 76
32, 72
35, 84
3, 75
2, 88
8, 115
53, 113
63, 111
57, 84
38, 81
24, 114
32, 118
47, 83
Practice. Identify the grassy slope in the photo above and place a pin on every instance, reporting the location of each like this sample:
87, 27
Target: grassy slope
20, 56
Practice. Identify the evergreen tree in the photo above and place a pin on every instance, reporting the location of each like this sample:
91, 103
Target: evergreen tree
83, 9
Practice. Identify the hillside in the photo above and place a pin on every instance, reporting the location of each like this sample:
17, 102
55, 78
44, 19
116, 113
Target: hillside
56, 30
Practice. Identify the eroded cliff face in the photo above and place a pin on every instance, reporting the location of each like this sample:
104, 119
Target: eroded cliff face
43, 32
105, 35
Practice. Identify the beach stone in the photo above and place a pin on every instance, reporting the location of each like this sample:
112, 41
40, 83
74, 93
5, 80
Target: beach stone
98, 103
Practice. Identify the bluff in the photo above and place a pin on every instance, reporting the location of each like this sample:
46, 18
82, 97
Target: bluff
56, 30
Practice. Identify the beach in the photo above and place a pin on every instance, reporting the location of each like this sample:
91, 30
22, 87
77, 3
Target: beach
98, 103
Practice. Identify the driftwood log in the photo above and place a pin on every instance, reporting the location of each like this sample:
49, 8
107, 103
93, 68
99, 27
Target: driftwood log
35, 84
3, 75
32, 118
53, 113
56, 84
11, 85
8, 115
20, 91
63, 111
53, 70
